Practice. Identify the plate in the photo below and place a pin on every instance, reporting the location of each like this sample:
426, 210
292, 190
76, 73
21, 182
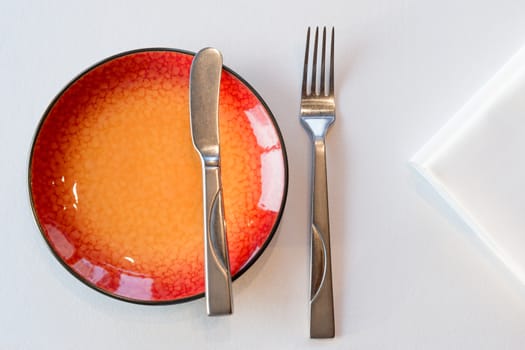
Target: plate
116, 184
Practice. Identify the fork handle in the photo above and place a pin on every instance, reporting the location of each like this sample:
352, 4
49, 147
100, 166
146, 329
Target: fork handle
322, 323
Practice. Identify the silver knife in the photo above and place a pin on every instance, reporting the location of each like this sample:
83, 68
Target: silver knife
205, 77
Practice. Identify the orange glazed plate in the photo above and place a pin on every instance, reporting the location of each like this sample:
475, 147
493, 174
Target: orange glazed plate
116, 185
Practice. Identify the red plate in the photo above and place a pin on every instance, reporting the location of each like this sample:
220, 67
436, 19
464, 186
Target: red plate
116, 184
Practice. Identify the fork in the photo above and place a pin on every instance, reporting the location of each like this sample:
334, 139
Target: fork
317, 115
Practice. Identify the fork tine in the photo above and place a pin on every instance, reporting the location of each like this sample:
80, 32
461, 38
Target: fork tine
323, 54
331, 77
305, 69
313, 90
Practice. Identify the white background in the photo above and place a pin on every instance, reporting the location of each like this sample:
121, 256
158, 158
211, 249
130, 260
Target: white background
407, 273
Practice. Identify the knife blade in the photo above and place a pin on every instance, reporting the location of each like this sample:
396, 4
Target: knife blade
205, 76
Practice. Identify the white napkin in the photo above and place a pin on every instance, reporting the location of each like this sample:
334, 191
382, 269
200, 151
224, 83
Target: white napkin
477, 163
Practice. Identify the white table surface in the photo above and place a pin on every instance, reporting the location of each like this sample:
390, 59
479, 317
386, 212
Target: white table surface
407, 273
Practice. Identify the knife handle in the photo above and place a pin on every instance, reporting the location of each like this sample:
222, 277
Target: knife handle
216, 260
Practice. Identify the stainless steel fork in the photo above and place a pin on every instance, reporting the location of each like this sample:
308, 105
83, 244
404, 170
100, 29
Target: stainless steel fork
317, 115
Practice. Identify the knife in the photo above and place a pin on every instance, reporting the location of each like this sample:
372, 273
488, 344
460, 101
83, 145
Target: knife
205, 77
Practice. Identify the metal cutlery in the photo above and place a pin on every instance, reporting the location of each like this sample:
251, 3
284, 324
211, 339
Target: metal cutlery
205, 76
317, 115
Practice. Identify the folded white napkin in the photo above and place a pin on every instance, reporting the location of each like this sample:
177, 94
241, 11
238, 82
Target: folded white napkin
477, 163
